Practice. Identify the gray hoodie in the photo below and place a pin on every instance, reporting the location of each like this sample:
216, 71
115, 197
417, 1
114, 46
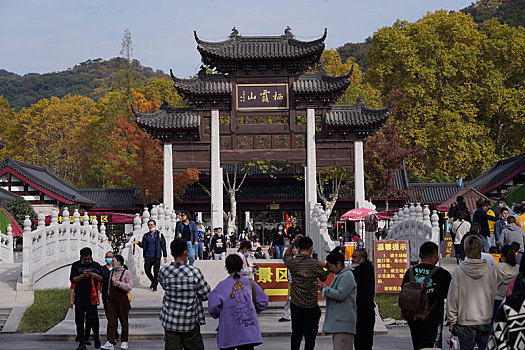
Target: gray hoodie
504, 274
471, 294
513, 233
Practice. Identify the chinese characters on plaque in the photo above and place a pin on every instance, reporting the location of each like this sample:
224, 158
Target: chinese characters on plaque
448, 247
273, 279
391, 262
262, 96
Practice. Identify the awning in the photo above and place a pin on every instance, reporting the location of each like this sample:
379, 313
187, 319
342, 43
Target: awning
5, 219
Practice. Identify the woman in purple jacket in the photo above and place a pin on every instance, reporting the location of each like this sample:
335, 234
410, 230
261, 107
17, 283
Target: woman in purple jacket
236, 301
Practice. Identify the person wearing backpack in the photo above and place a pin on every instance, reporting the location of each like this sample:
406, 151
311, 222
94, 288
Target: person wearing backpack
470, 299
426, 321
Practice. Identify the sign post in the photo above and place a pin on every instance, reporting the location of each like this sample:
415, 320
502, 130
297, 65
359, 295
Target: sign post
391, 262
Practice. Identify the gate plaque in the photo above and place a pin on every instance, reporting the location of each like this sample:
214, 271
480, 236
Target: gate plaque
262, 96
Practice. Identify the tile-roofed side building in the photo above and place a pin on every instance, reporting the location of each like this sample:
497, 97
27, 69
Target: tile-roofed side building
113, 198
502, 175
6, 196
433, 193
39, 179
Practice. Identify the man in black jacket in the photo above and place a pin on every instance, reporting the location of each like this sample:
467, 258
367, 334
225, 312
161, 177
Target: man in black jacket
153, 248
85, 274
366, 317
482, 218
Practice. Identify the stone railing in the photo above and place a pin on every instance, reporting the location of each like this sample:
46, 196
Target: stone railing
50, 249
415, 225
6, 246
323, 244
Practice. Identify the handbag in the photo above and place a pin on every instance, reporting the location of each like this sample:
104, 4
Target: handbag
120, 280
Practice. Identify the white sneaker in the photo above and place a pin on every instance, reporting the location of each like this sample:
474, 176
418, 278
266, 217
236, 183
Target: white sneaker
124, 345
107, 346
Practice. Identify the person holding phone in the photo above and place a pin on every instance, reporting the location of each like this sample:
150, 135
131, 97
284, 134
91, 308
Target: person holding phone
86, 274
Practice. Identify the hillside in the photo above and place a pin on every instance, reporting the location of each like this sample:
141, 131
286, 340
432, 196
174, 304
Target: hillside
91, 78
511, 12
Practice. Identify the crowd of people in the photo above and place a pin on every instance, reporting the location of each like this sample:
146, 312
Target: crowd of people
481, 300
235, 301
484, 300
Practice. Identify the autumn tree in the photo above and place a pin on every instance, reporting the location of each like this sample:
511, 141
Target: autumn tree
384, 154
55, 133
331, 62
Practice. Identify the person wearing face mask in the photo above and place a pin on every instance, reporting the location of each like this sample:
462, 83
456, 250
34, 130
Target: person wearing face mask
106, 272
248, 270
341, 311
153, 247
278, 242
121, 283
366, 317
218, 245
86, 274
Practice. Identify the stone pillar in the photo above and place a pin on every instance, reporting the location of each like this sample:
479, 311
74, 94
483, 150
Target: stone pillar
359, 175
168, 176
311, 167
216, 173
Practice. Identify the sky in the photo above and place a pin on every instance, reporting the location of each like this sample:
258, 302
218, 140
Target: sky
45, 36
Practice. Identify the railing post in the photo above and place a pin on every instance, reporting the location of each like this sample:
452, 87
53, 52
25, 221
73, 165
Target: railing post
27, 252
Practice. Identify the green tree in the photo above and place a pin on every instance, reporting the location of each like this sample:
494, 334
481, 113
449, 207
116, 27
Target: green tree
447, 78
19, 208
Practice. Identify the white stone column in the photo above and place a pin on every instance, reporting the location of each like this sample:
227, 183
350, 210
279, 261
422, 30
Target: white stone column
216, 173
359, 174
311, 167
168, 176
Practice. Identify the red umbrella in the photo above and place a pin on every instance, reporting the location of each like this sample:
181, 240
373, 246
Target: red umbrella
357, 214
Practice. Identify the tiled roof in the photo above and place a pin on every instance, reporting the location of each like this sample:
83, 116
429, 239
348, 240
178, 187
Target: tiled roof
257, 47
470, 195
356, 115
321, 82
5, 195
169, 118
433, 193
400, 179
44, 178
498, 172
111, 197
203, 84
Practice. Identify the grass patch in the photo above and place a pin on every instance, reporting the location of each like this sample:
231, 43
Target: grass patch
49, 309
388, 306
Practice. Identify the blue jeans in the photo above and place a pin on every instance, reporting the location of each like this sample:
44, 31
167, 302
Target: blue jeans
191, 252
485, 243
198, 250
279, 250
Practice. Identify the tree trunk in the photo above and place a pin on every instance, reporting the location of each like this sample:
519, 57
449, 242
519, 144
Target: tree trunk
233, 212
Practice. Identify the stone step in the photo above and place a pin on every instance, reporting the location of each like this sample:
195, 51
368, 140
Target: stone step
4, 315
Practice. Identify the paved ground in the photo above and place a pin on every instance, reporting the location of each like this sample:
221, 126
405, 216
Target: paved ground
398, 338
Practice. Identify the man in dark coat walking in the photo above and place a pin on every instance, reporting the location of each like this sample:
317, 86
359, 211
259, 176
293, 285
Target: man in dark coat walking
366, 317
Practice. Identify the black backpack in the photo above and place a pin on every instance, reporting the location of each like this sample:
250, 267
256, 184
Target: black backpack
413, 298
